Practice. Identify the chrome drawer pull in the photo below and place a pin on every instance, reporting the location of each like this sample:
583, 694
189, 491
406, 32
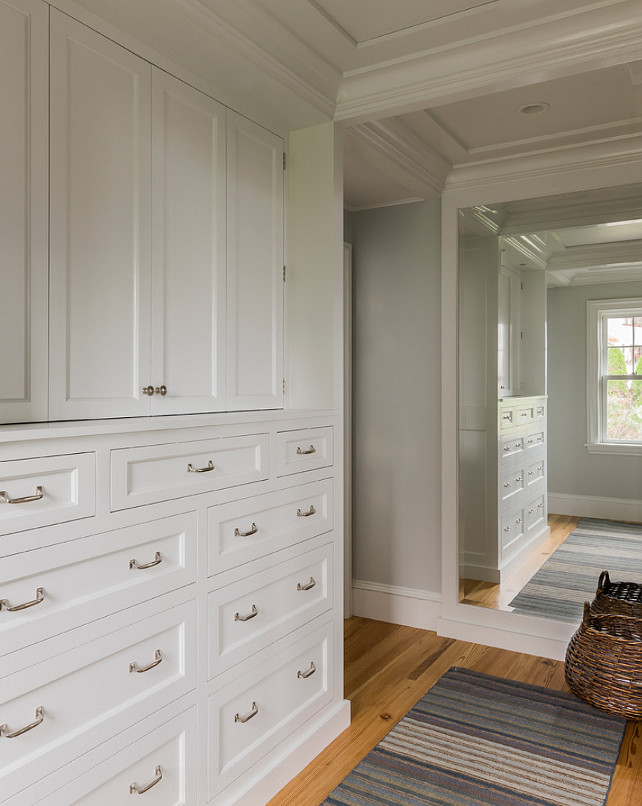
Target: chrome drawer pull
40, 715
254, 612
506, 417
308, 672
311, 511
540, 506
192, 469
247, 717
518, 520
507, 448
161, 390
133, 667
158, 558
507, 484
301, 452
40, 595
507, 528
134, 790
524, 414
148, 390
307, 586
253, 530
530, 511
531, 472
6, 499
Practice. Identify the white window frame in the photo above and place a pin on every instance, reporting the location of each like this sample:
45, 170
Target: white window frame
597, 310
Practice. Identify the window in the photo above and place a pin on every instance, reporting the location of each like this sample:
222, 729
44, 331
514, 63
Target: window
615, 375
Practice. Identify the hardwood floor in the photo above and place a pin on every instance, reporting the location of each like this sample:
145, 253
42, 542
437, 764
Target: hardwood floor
497, 596
389, 667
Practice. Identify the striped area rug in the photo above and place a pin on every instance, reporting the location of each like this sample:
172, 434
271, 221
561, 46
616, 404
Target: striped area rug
569, 577
477, 740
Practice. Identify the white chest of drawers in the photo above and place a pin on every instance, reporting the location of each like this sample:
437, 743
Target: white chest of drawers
156, 575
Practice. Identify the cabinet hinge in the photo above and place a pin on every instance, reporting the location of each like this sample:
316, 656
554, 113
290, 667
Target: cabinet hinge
283, 385
284, 160
284, 274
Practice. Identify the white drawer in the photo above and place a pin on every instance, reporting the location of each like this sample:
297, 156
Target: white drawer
306, 449
245, 530
525, 415
512, 483
506, 418
45, 490
86, 579
163, 472
540, 410
511, 446
512, 530
535, 472
247, 616
85, 695
535, 512
265, 705
535, 440
166, 756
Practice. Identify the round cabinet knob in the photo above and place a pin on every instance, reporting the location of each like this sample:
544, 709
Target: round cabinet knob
148, 390
160, 390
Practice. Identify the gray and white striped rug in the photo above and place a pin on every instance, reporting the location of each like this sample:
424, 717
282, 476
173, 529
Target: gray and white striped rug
569, 577
477, 740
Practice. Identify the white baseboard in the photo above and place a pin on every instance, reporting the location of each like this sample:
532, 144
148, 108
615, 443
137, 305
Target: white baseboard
584, 506
407, 606
482, 573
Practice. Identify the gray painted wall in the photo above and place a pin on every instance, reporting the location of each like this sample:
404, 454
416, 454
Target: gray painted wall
396, 395
571, 469
347, 226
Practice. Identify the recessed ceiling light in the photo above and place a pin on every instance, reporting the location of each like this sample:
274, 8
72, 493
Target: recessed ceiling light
535, 109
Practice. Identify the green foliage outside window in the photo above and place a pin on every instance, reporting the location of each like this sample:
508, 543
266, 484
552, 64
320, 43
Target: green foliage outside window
624, 400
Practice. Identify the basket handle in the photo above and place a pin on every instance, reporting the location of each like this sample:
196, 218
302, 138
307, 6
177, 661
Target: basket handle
587, 614
603, 581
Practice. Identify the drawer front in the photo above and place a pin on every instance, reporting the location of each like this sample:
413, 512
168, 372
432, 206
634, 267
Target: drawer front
306, 449
535, 512
506, 418
525, 415
163, 472
260, 709
512, 446
53, 589
246, 530
535, 472
535, 440
164, 759
42, 491
512, 526
247, 616
540, 410
80, 697
512, 483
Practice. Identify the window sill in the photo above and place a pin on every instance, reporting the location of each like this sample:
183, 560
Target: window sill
622, 449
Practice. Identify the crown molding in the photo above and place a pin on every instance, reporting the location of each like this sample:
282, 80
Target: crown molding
596, 257
549, 49
358, 208
402, 148
623, 275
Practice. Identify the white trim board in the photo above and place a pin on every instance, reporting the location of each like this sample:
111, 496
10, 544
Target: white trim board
585, 506
410, 607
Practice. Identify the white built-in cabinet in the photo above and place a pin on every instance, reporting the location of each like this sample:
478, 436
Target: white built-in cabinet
166, 241
23, 209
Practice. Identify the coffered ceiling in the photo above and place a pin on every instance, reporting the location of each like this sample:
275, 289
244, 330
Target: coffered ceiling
421, 86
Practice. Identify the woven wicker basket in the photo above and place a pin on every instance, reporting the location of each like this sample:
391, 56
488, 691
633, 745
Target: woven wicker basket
603, 663
617, 597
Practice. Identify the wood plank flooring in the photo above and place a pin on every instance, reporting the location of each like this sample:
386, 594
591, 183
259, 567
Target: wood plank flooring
389, 667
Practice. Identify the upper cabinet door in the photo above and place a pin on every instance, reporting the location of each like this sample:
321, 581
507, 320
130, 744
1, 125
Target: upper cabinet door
100, 225
188, 248
24, 69
254, 266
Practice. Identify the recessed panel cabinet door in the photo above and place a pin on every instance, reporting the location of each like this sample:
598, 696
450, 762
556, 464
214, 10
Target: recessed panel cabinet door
100, 225
254, 266
23, 210
188, 248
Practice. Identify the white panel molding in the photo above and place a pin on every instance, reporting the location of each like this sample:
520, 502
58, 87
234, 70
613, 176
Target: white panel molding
598, 256
612, 35
586, 506
410, 607
355, 208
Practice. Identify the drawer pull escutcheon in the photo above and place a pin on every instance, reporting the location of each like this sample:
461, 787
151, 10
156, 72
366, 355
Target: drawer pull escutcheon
40, 595
247, 717
253, 530
6, 499
40, 715
192, 469
254, 612
308, 672
133, 667
311, 511
307, 586
158, 558
135, 790
301, 452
